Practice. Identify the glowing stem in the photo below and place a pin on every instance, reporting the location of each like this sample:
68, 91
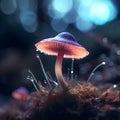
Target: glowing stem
35, 86
32, 80
58, 70
72, 72
33, 77
46, 77
93, 71
68, 73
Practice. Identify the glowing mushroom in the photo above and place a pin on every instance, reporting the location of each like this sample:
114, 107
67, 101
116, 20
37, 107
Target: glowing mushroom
20, 93
62, 45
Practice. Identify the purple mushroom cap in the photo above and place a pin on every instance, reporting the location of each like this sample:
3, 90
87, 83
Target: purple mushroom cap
20, 93
65, 43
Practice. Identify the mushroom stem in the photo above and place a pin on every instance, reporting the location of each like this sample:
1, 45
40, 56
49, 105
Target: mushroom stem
58, 70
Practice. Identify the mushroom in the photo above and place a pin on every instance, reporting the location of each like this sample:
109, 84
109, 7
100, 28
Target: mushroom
62, 45
20, 93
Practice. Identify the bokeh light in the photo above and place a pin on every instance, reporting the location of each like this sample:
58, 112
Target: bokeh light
59, 8
8, 6
58, 25
84, 14
71, 17
83, 25
102, 12
114, 86
25, 5
97, 11
29, 21
28, 16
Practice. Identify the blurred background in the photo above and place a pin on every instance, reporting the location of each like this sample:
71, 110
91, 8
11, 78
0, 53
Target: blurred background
94, 23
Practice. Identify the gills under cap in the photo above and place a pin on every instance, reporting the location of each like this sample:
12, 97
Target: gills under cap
65, 43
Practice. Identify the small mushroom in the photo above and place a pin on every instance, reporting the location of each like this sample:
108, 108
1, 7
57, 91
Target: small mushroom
20, 93
62, 45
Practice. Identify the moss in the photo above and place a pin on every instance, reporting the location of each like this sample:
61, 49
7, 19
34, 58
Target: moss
79, 101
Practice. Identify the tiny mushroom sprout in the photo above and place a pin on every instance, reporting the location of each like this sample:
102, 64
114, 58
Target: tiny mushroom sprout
62, 45
20, 93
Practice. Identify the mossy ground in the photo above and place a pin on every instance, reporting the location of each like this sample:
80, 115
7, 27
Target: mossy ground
79, 101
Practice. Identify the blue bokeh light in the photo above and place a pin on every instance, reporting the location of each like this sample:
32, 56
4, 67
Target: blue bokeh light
23, 5
71, 17
8, 6
83, 25
29, 21
102, 12
58, 25
59, 8
28, 16
98, 12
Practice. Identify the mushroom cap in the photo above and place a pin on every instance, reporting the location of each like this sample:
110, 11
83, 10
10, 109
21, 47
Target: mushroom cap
20, 93
64, 43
